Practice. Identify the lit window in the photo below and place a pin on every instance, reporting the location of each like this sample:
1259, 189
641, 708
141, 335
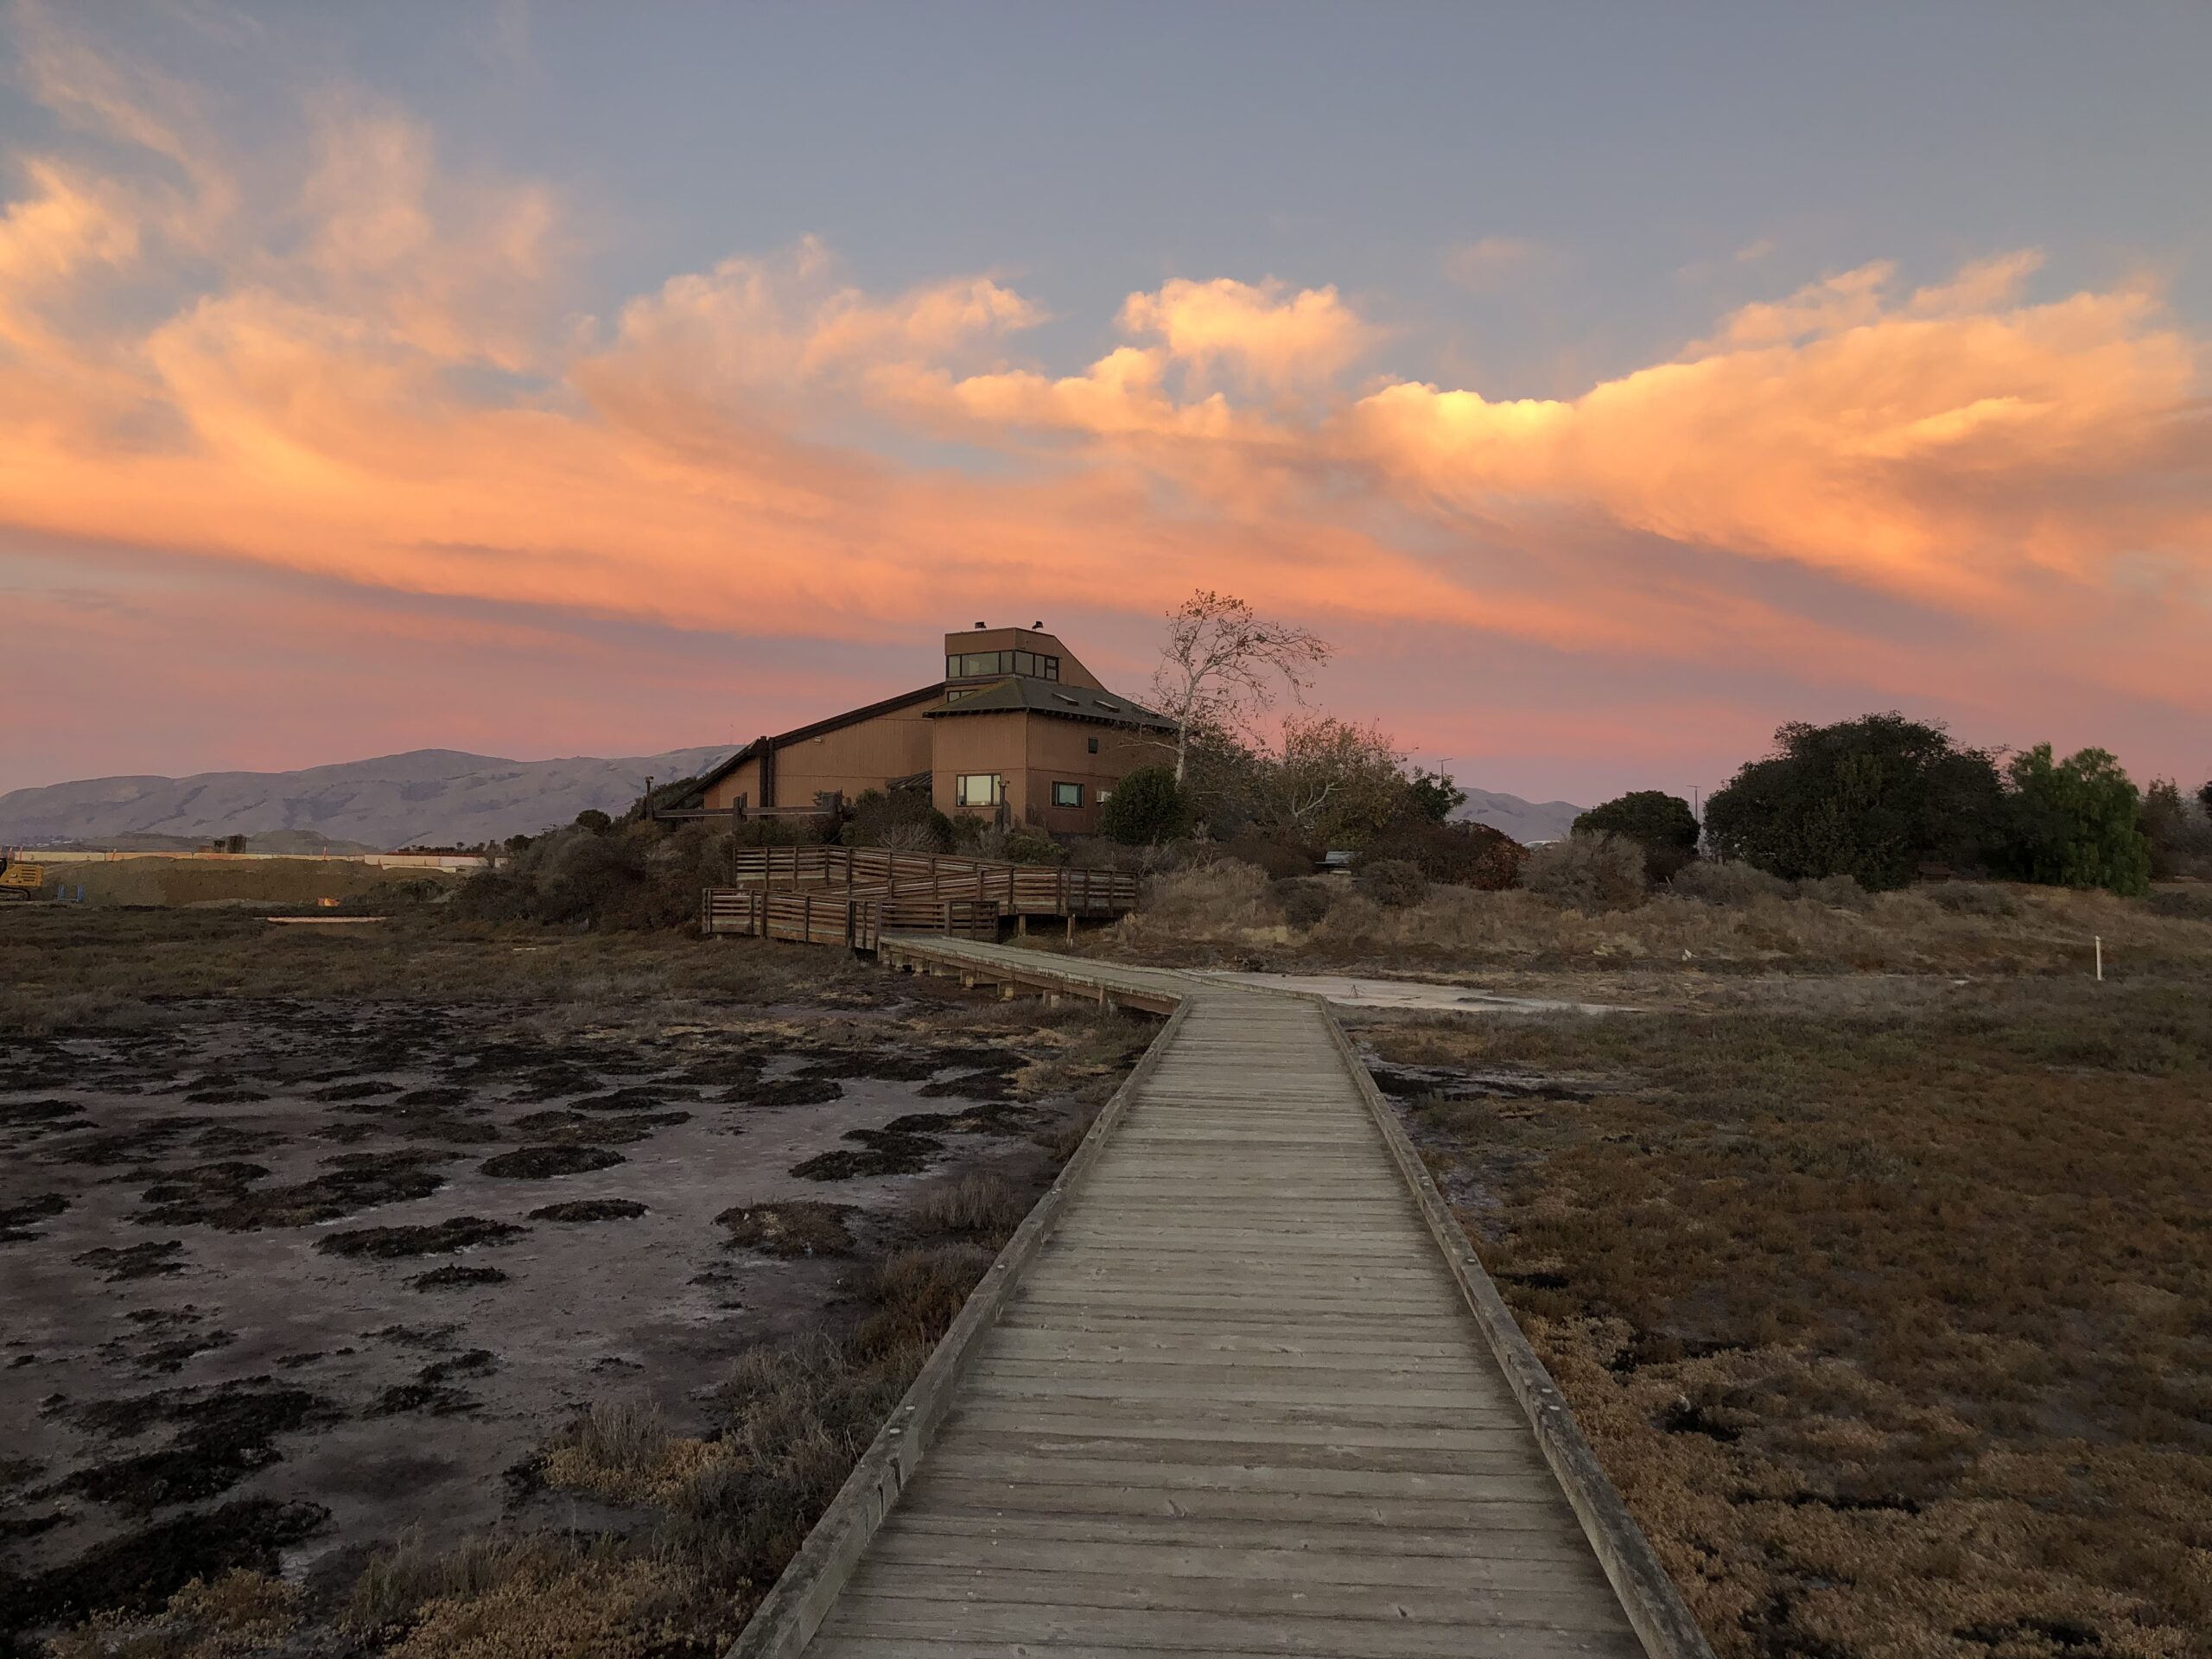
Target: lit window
1067, 794
978, 789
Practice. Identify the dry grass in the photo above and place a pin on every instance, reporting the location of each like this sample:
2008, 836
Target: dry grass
981, 1204
1895, 1329
239, 1614
1231, 913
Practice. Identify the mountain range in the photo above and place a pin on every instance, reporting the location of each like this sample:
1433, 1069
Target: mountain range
426, 797
431, 797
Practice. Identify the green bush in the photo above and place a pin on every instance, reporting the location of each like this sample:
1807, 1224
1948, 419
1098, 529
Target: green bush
2073, 823
1873, 798
2178, 830
1146, 808
1661, 823
900, 818
1031, 847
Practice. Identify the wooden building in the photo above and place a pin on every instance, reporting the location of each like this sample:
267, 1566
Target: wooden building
1018, 732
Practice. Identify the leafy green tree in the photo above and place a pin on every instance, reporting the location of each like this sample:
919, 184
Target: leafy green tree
2204, 797
593, 819
2075, 823
1146, 808
1661, 823
2178, 830
1434, 795
1871, 799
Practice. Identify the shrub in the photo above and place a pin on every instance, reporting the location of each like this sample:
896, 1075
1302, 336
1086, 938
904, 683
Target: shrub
1459, 854
1874, 798
1661, 823
1586, 872
1840, 891
1306, 904
2073, 823
1281, 856
1146, 808
594, 821
1731, 883
901, 818
1025, 846
1972, 898
1393, 883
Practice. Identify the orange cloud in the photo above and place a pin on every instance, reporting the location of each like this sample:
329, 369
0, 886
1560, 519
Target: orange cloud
1831, 479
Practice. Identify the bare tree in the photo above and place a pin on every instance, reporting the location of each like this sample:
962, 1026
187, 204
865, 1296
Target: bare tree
1221, 663
1339, 781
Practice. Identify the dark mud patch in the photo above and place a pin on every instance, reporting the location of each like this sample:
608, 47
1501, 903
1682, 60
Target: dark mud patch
802, 1227
789, 1092
540, 1163
590, 1210
221, 1437
876, 1065
996, 1084
18, 1221
154, 1140
457, 1278
147, 1260
368, 1089
633, 1099
223, 1196
170, 1339
140, 1572
30, 1120
476, 1362
422, 1396
987, 1117
881, 1152
439, 1099
436, 1238
563, 1128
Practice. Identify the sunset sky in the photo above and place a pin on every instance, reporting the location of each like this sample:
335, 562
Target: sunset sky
1608, 384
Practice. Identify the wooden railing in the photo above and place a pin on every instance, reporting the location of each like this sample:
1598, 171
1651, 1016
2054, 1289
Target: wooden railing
1017, 889
854, 895
831, 916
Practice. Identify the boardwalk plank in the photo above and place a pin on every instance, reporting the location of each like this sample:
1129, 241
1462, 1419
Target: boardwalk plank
1235, 1406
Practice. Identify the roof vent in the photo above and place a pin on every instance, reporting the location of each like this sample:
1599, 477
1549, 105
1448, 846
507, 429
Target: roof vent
1039, 623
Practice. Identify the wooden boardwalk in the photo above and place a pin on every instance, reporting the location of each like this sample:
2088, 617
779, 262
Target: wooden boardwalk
1231, 1400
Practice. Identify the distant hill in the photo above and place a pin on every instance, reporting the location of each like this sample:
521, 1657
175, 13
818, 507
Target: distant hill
434, 797
1525, 821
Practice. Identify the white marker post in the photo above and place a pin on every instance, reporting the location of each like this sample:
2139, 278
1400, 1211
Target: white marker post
2100, 940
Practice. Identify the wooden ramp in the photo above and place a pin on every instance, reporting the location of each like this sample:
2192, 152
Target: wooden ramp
1229, 1393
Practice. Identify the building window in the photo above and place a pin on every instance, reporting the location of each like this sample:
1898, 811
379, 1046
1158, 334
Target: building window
1094, 745
1067, 794
978, 789
1052, 667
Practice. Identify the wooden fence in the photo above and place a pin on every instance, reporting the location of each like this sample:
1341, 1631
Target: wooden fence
853, 895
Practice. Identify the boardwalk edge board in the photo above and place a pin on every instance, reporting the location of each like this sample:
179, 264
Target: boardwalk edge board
1654, 1605
783, 1624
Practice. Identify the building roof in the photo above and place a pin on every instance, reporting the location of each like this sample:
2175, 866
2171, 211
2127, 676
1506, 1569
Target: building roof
819, 728
1017, 692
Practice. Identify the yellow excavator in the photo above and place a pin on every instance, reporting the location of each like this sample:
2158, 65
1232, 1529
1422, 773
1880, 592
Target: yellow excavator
18, 880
